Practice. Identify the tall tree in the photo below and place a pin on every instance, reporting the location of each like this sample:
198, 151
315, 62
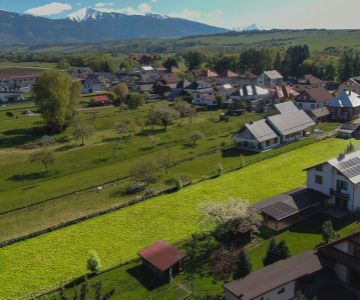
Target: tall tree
194, 59
93, 262
81, 131
243, 266
55, 95
271, 254
135, 100
346, 65
46, 157
170, 62
294, 58
283, 250
121, 91
328, 232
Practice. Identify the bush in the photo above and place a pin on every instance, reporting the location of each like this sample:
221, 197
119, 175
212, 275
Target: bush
136, 188
94, 263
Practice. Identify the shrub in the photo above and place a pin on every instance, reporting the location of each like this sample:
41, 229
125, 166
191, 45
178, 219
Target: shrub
93, 262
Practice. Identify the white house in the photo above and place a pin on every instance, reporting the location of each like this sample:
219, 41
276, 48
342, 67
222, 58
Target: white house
270, 79
338, 178
313, 98
353, 84
92, 84
272, 132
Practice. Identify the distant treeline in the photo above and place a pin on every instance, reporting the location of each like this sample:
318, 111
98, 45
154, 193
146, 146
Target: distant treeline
293, 63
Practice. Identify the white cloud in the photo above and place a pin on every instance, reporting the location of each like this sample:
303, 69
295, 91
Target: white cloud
102, 4
52, 8
142, 9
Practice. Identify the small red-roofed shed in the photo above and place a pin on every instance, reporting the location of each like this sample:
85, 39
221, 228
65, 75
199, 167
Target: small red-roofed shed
163, 260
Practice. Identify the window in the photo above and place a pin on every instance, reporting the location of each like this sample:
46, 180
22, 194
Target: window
342, 185
267, 143
281, 291
319, 168
318, 179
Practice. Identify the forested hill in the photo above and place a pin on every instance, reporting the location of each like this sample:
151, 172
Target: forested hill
329, 41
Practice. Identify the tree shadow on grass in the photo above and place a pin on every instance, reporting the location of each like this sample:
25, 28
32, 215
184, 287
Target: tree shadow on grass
18, 137
314, 224
234, 152
148, 132
189, 146
32, 176
145, 277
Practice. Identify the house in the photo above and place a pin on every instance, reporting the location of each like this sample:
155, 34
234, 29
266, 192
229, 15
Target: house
257, 99
319, 114
165, 85
332, 272
309, 82
100, 100
11, 96
92, 84
205, 97
248, 78
273, 131
163, 260
313, 98
145, 59
344, 255
286, 107
344, 107
284, 92
270, 79
256, 136
353, 85
208, 75
148, 70
290, 126
228, 77
349, 130
339, 179
282, 211
278, 281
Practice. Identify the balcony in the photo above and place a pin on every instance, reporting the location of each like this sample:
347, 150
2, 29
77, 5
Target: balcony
340, 194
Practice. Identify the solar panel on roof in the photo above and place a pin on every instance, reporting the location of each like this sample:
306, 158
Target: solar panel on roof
279, 210
350, 168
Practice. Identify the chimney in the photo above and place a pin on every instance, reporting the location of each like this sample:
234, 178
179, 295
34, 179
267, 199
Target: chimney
350, 93
341, 156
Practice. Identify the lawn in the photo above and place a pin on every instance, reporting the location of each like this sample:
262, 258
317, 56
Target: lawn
44, 262
132, 281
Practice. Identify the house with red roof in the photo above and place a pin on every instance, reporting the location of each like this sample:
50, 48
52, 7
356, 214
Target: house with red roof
163, 260
309, 82
313, 98
101, 100
208, 75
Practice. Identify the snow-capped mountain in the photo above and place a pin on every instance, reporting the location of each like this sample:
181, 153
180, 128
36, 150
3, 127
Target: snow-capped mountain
252, 27
92, 25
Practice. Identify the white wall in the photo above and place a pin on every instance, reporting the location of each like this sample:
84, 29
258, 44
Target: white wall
288, 293
326, 174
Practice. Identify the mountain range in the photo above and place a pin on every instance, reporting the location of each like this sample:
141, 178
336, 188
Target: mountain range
90, 25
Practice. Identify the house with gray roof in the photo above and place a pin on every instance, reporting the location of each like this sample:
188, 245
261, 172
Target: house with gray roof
344, 107
270, 79
256, 136
273, 131
291, 126
286, 107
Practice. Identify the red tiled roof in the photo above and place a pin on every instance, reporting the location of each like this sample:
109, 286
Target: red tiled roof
208, 74
248, 75
311, 79
231, 74
285, 91
101, 98
319, 94
162, 255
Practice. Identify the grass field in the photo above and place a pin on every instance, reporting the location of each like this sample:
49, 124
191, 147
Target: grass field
132, 281
44, 262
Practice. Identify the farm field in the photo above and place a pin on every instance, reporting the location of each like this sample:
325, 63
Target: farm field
132, 281
43, 262
318, 40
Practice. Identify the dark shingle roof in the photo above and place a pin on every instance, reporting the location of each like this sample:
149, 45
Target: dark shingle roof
275, 275
319, 94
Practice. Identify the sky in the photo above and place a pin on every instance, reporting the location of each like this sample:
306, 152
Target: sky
268, 14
